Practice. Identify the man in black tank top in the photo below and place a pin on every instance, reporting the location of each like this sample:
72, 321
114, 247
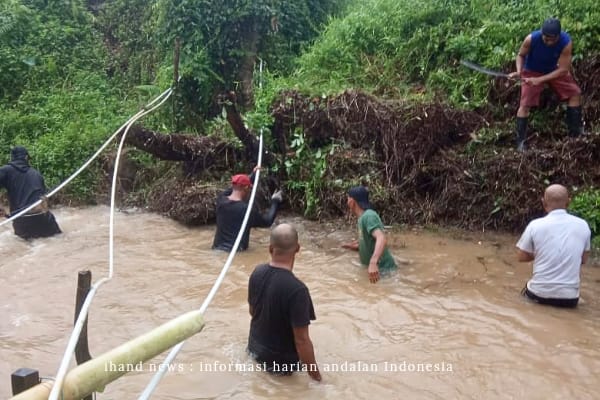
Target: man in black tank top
545, 58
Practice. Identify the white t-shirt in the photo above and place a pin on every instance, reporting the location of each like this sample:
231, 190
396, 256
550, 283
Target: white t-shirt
557, 242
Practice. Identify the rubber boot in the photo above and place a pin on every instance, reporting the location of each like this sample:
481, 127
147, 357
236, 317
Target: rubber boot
521, 133
574, 123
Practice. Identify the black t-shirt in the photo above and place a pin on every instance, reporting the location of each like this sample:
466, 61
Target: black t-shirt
230, 215
280, 302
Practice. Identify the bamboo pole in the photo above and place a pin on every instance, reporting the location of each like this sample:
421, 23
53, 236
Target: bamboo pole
95, 374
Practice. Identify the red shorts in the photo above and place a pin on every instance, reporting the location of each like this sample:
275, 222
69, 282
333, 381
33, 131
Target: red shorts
564, 86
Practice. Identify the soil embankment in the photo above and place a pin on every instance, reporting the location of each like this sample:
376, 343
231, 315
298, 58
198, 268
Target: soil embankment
424, 163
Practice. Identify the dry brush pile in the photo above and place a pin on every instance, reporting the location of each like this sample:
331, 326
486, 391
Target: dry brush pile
424, 163
430, 170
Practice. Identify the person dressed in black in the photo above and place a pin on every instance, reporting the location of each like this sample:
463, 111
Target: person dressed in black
25, 186
231, 208
281, 310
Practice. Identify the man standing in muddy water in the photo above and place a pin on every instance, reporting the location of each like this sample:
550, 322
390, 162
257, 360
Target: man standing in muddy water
25, 186
558, 244
281, 310
372, 243
545, 58
231, 208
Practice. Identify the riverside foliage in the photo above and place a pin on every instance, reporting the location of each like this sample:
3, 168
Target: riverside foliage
72, 71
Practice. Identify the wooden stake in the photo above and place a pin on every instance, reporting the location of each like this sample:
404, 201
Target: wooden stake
84, 282
82, 352
23, 379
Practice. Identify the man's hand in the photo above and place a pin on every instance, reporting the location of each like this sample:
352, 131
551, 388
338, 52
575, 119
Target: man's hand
533, 81
277, 196
306, 353
524, 256
351, 246
373, 271
514, 76
316, 375
44, 204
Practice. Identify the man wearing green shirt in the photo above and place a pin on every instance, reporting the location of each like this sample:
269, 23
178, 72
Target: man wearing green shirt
371, 243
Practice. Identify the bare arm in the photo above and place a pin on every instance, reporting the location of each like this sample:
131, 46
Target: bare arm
380, 243
306, 352
524, 256
523, 51
584, 257
351, 245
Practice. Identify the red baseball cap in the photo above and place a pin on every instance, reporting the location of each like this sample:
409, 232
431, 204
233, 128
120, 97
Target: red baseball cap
241, 180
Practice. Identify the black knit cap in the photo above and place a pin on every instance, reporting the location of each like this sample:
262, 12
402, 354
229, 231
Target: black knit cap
18, 152
361, 195
551, 27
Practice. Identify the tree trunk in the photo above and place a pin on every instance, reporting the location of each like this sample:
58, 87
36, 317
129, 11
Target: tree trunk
197, 152
249, 45
234, 118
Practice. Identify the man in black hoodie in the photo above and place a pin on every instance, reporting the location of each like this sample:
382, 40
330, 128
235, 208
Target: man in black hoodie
25, 185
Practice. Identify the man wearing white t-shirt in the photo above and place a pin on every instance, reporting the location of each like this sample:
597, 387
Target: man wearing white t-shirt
558, 244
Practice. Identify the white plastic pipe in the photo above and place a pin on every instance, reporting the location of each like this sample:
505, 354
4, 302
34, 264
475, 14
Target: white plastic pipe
175, 350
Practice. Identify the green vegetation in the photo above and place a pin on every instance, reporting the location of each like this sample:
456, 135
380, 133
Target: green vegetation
411, 49
587, 206
73, 71
306, 170
54, 96
391, 47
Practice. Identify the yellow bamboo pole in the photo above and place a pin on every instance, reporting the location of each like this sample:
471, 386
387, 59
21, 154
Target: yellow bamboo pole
95, 374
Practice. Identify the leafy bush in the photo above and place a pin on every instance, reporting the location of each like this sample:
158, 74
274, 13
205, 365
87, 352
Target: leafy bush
15, 25
43, 43
62, 127
305, 171
384, 45
55, 97
587, 206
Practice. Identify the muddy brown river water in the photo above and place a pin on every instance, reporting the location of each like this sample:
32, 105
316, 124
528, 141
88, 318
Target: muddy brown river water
449, 325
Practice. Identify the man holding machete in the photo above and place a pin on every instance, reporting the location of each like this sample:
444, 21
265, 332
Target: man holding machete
545, 57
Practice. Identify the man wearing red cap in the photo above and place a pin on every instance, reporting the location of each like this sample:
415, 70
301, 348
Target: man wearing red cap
231, 208
545, 58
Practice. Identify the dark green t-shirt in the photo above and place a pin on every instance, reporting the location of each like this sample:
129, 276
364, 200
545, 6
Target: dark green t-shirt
367, 223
